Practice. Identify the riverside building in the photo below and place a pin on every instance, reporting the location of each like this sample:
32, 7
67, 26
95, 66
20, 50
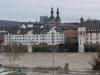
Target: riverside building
41, 34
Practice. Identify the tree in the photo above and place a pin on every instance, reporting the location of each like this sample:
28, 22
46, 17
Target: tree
96, 60
43, 44
71, 44
13, 52
61, 47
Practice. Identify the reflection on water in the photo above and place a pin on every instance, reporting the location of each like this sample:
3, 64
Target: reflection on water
77, 62
84, 73
70, 73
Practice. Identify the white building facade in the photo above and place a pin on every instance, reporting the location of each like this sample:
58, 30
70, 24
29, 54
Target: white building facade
52, 37
88, 33
81, 38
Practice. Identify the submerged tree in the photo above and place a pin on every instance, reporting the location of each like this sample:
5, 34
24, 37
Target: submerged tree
13, 52
96, 60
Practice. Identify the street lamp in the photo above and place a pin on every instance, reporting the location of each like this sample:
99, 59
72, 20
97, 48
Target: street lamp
54, 50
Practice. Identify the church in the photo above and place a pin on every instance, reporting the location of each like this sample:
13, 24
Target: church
54, 20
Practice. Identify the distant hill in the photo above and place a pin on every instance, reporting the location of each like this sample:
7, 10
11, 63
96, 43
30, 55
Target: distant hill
9, 23
4, 23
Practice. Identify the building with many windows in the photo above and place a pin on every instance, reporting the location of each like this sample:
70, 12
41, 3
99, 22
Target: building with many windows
41, 34
88, 33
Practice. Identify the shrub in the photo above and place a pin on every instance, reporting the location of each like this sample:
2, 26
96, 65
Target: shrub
92, 47
40, 49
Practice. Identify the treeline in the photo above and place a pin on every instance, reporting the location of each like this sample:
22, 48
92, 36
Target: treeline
92, 47
42, 47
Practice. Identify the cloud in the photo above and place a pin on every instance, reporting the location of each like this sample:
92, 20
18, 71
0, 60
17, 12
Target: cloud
31, 9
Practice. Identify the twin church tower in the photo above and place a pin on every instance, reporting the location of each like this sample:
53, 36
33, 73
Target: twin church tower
54, 20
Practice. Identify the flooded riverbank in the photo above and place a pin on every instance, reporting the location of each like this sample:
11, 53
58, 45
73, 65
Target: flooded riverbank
76, 61
70, 73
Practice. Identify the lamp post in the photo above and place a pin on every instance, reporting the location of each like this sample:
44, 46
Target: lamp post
54, 50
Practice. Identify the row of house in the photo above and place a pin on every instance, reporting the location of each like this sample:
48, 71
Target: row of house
85, 32
35, 34
49, 30
40, 33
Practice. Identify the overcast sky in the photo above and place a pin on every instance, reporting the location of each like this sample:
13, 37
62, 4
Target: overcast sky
70, 10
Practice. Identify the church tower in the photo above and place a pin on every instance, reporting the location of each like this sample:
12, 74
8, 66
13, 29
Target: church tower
52, 19
57, 19
81, 20
81, 38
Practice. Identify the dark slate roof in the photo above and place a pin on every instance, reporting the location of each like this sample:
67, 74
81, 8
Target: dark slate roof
91, 25
37, 29
40, 30
44, 29
23, 31
66, 26
13, 27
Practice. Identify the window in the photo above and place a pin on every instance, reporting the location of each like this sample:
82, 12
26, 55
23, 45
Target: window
97, 38
80, 41
62, 39
57, 39
80, 33
42, 35
86, 38
90, 38
86, 34
83, 33
90, 34
97, 34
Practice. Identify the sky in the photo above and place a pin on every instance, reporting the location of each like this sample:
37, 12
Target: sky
70, 10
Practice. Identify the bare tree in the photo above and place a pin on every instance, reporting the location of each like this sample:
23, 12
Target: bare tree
14, 51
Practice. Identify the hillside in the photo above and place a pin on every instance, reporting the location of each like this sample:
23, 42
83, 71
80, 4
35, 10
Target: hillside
9, 23
4, 23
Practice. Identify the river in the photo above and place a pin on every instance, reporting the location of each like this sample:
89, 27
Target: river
79, 63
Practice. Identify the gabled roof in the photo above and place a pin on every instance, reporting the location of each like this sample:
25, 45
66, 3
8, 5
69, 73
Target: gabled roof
91, 25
